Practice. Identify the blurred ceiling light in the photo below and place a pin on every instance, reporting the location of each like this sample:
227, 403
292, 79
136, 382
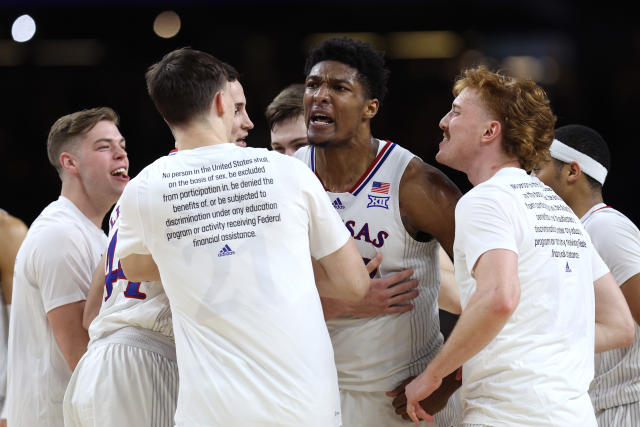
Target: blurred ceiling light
424, 44
11, 54
23, 28
524, 67
68, 53
167, 24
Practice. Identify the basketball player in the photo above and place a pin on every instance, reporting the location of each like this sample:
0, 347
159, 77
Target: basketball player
242, 124
12, 232
232, 232
55, 263
135, 320
129, 375
525, 267
285, 117
576, 171
392, 203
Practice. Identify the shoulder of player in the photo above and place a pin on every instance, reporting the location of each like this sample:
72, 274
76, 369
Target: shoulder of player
608, 222
421, 173
421, 177
11, 227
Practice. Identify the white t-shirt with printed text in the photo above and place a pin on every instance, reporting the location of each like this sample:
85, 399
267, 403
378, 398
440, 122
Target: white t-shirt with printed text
537, 370
53, 268
232, 231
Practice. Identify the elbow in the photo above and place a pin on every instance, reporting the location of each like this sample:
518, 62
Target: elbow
629, 333
505, 303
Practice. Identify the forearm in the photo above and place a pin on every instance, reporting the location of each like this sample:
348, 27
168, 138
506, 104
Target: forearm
72, 338
614, 325
333, 308
477, 326
94, 296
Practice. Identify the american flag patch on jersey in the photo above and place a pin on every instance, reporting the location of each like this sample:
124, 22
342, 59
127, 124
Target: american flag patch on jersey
380, 187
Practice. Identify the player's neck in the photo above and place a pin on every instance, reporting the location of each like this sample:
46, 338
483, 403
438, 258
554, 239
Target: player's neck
340, 166
94, 208
199, 134
487, 164
585, 200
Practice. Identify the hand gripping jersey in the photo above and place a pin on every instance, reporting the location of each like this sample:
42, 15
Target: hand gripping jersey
375, 354
143, 305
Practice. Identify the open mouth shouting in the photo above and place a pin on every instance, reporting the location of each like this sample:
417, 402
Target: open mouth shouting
320, 120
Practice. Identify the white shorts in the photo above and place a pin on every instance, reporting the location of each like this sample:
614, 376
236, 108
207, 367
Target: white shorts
375, 409
126, 379
620, 416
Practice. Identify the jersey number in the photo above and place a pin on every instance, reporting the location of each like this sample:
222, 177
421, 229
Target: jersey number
133, 288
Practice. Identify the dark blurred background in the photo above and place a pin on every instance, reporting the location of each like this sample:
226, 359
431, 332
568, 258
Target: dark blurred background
87, 54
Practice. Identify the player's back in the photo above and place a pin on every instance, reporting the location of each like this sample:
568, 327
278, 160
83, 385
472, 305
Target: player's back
230, 229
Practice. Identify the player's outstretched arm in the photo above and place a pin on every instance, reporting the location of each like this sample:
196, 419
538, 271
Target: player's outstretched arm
341, 274
614, 323
140, 268
94, 296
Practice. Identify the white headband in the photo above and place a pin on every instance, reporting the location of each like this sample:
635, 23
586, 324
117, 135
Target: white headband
566, 154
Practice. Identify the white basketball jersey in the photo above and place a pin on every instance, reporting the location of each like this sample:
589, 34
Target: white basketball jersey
617, 371
375, 354
125, 303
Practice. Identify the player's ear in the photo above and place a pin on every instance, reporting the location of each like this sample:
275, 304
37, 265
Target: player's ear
491, 131
371, 108
218, 103
69, 162
573, 172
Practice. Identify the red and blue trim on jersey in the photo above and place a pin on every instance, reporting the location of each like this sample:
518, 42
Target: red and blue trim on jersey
600, 208
368, 174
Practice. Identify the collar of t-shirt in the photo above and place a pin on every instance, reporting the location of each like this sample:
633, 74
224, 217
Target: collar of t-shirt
75, 211
591, 211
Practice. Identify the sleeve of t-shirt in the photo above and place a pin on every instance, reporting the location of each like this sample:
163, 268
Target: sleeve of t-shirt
327, 232
598, 266
482, 223
617, 241
62, 265
131, 236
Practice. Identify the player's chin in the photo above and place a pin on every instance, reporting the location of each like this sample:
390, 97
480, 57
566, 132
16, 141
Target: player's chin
240, 143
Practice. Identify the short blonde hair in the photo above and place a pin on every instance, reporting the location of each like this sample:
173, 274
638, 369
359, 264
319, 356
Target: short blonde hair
521, 106
64, 133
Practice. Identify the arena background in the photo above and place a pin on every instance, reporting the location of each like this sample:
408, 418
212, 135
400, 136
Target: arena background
87, 54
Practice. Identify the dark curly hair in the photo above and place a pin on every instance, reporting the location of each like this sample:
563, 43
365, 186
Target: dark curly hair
372, 72
521, 106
